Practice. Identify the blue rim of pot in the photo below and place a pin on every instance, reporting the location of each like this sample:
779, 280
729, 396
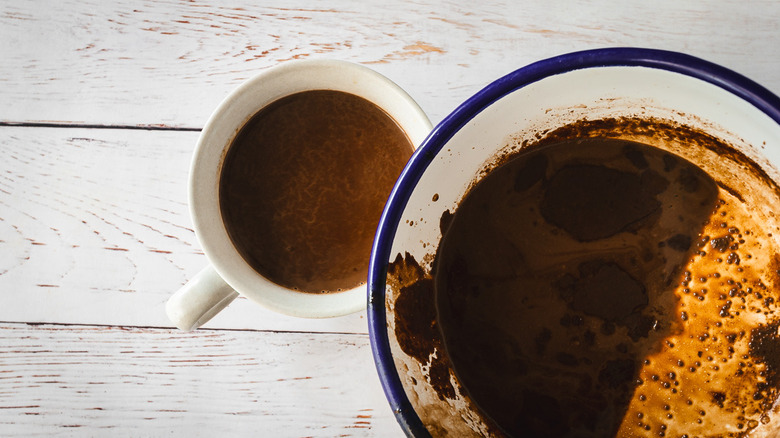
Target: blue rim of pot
733, 82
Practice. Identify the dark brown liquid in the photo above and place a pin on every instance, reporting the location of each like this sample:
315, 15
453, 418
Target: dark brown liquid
601, 287
304, 183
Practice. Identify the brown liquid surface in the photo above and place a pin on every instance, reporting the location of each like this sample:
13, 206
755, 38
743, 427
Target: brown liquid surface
304, 183
600, 287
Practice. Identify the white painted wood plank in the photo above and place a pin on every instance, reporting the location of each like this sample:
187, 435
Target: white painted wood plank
95, 229
98, 381
171, 62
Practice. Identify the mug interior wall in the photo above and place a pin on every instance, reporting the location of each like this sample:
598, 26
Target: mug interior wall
592, 94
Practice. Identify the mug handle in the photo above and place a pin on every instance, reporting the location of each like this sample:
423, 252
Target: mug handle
199, 300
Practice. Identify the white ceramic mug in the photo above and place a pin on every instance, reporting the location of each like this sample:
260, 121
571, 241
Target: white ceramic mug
228, 274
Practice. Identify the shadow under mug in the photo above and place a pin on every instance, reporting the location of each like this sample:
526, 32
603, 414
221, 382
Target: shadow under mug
228, 274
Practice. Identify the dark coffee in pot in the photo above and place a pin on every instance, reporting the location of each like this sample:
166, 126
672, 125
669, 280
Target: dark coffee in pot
602, 287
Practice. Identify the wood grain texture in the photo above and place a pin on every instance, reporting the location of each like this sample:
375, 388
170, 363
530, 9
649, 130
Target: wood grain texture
171, 62
95, 229
98, 381
94, 226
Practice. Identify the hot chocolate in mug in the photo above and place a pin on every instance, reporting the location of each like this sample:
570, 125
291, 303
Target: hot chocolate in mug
287, 183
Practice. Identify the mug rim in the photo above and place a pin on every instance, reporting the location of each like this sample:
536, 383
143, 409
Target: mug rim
675, 62
218, 134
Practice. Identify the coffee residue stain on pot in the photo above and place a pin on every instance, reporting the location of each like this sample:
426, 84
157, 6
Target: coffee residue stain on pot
689, 142
418, 335
671, 337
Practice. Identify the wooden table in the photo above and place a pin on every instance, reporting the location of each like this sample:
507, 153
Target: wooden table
102, 103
